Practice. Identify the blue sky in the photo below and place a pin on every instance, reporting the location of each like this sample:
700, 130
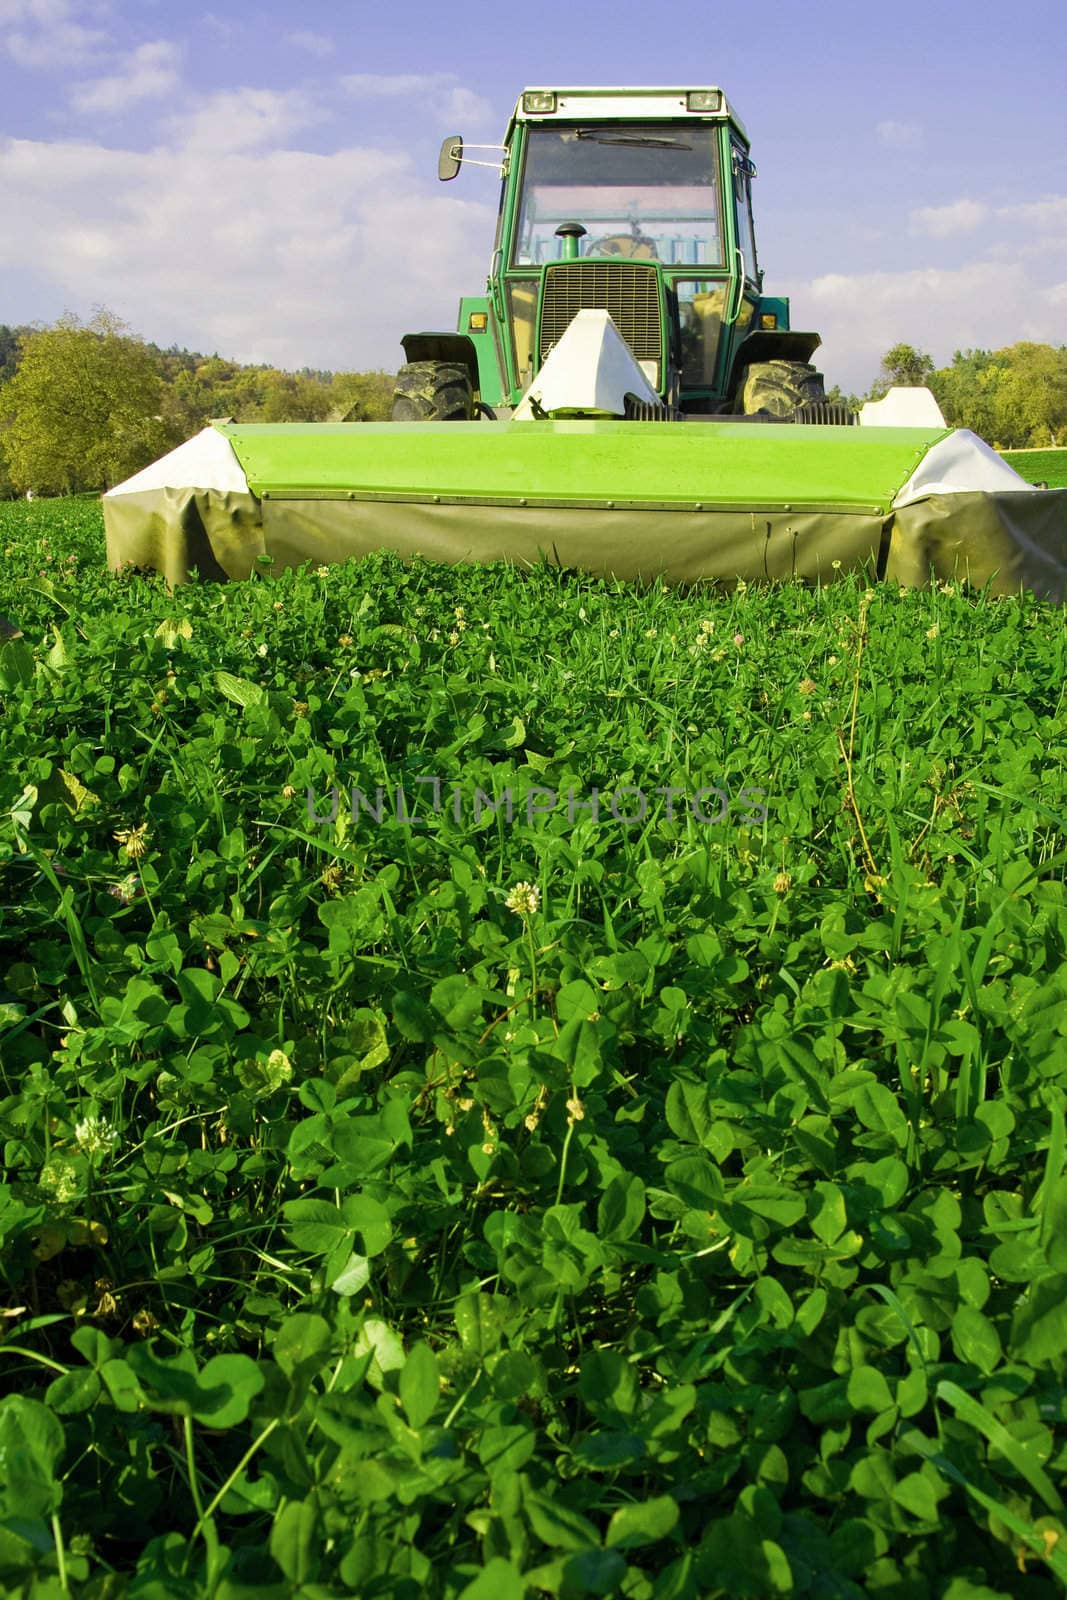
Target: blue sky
261, 179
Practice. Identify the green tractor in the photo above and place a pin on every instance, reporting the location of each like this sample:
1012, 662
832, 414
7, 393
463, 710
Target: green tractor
637, 202
624, 293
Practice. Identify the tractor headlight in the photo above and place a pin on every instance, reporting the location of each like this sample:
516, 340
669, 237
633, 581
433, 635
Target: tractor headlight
535, 100
704, 100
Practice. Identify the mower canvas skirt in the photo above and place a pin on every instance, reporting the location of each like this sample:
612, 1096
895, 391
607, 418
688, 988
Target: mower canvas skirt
691, 502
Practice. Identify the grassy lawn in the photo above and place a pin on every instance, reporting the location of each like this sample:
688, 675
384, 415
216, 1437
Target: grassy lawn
1040, 466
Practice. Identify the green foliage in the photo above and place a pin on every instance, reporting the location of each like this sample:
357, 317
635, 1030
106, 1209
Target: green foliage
694, 1231
8, 491
1016, 396
902, 364
198, 388
836, 395
10, 340
82, 410
82, 405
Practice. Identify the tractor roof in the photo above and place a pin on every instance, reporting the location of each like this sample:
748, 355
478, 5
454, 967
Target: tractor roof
549, 104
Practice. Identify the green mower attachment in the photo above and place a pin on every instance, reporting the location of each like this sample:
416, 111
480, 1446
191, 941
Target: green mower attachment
700, 501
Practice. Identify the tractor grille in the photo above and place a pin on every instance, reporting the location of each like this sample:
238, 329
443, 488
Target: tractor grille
627, 291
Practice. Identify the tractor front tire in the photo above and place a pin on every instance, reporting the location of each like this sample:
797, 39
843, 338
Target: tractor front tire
778, 388
433, 391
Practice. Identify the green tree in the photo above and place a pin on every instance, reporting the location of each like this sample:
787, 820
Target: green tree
7, 488
967, 390
902, 364
837, 396
9, 349
84, 408
362, 396
295, 397
1013, 397
1032, 396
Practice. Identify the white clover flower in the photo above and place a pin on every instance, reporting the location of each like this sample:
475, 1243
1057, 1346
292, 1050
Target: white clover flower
94, 1136
523, 899
261, 650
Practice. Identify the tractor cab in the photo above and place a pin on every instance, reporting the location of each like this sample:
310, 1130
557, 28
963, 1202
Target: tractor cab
634, 202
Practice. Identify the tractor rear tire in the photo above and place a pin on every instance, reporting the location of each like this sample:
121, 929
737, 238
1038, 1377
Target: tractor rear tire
778, 388
433, 391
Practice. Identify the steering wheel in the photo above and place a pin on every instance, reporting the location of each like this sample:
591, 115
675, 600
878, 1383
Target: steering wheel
634, 246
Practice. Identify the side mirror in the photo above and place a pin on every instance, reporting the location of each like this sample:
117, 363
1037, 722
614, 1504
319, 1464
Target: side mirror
448, 162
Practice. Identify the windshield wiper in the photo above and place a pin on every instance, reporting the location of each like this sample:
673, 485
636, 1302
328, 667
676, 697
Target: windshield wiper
630, 138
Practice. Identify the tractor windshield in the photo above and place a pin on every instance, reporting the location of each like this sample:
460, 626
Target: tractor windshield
644, 191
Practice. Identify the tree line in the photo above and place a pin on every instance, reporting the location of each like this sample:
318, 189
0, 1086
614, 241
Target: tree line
1015, 397
85, 404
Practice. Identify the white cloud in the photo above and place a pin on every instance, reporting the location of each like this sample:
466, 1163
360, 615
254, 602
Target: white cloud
51, 33
1057, 295
1024, 228
148, 73
1048, 216
899, 135
316, 44
939, 222
463, 105
265, 254
983, 305
436, 92
243, 119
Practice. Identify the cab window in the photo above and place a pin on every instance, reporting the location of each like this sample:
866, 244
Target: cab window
645, 191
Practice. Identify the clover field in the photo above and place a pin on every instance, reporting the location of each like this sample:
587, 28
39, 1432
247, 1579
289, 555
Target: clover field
492, 1189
